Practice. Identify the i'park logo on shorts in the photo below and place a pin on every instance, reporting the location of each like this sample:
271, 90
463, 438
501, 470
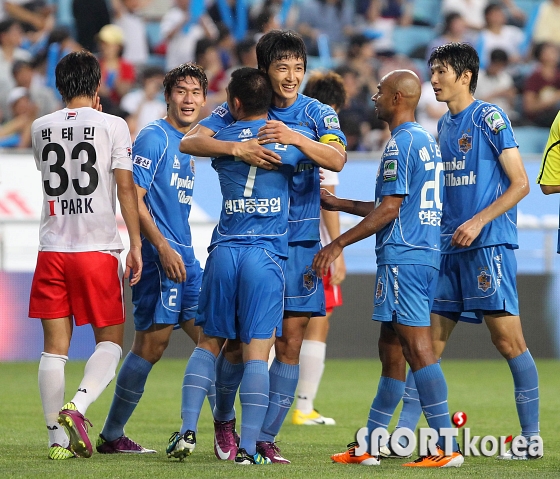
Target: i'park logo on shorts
484, 281
308, 278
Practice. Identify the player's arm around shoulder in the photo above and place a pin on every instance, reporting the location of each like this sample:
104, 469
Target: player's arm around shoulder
128, 200
512, 164
200, 141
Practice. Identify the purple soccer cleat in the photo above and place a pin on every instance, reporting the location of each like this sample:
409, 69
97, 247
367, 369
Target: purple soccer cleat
225, 440
75, 424
121, 445
272, 451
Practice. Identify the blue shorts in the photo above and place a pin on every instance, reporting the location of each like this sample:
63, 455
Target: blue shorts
242, 294
158, 300
479, 281
404, 293
304, 290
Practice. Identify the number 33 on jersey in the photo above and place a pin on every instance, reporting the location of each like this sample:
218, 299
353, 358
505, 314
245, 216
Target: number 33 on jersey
76, 152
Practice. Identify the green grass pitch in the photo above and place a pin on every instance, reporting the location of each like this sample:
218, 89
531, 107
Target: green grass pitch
482, 389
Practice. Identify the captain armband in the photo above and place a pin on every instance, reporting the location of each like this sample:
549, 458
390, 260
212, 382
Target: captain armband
330, 137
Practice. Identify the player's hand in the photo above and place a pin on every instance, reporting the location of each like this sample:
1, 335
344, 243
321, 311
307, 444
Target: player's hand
329, 201
338, 272
133, 265
254, 154
173, 264
466, 233
277, 132
325, 257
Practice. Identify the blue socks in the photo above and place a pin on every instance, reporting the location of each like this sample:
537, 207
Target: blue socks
228, 379
412, 410
526, 387
432, 390
199, 378
253, 394
128, 391
389, 393
283, 384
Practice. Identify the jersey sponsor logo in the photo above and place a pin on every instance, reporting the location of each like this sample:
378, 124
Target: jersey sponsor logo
308, 278
331, 122
72, 206
454, 165
141, 161
220, 111
71, 115
179, 182
246, 133
390, 170
176, 163
463, 180
484, 281
465, 143
495, 121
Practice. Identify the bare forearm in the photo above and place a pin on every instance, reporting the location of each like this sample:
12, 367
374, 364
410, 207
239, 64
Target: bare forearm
370, 225
513, 195
128, 200
204, 145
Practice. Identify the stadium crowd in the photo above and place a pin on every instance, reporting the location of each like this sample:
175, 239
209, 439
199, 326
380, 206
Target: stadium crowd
136, 41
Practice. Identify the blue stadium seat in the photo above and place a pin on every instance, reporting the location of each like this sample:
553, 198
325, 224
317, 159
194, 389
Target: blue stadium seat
531, 139
427, 11
407, 39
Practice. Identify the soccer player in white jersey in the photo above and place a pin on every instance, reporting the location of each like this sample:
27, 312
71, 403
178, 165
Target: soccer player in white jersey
328, 88
167, 294
405, 217
484, 180
85, 160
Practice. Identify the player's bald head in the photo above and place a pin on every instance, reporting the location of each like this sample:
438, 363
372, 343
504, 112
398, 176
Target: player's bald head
407, 83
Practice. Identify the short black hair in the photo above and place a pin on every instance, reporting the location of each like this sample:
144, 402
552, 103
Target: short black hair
499, 56
77, 75
492, 6
327, 87
6, 24
461, 57
152, 71
202, 46
252, 88
244, 46
279, 45
19, 64
192, 70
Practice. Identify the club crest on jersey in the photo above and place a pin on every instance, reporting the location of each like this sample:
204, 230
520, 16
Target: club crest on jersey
141, 161
176, 163
331, 122
465, 143
495, 121
246, 133
484, 281
308, 278
390, 170
71, 115
379, 289
220, 111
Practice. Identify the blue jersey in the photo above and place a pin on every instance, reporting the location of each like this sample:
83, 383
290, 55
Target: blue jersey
312, 119
411, 166
471, 143
255, 201
167, 175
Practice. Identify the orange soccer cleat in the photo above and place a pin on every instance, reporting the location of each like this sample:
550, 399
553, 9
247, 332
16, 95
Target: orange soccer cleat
349, 457
439, 460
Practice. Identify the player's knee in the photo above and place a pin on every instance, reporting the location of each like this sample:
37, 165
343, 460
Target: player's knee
509, 347
151, 351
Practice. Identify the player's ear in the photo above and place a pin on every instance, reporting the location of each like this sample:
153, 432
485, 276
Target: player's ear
466, 77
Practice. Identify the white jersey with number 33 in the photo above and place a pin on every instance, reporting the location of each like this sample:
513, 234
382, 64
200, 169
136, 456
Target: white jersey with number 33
76, 152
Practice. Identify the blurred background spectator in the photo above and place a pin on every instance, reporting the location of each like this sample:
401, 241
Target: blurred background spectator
546, 27
89, 17
126, 15
541, 94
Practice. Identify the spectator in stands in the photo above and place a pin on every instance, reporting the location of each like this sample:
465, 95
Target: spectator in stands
181, 34
25, 76
145, 104
36, 14
126, 15
89, 17
246, 54
495, 84
454, 30
360, 56
265, 22
17, 131
541, 94
377, 27
207, 56
117, 75
496, 34
284, 13
326, 20
472, 11
11, 36
546, 27
429, 110
232, 15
